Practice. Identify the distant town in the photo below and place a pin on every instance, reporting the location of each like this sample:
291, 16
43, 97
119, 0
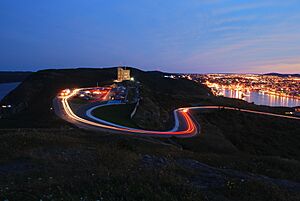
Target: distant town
283, 86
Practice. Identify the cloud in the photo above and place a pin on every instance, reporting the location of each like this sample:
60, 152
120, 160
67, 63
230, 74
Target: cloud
238, 7
281, 67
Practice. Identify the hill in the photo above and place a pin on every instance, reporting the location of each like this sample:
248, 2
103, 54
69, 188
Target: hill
236, 157
72, 164
32, 99
13, 76
283, 75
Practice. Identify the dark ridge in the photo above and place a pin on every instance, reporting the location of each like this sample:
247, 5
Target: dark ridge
32, 100
13, 76
282, 75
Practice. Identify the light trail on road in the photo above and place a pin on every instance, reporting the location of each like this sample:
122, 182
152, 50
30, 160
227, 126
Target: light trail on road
190, 126
190, 130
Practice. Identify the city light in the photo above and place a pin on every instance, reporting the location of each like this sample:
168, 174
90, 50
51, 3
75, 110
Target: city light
265, 84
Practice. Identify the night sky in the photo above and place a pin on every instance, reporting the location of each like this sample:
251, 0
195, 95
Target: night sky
169, 35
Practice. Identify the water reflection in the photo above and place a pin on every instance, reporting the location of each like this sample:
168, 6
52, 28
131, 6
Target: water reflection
262, 99
5, 88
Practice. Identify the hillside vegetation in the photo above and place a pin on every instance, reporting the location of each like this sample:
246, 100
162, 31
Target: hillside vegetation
160, 96
32, 100
255, 143
70, 164
236, 157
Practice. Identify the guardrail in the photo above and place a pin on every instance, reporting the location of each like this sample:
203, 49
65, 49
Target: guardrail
135, 109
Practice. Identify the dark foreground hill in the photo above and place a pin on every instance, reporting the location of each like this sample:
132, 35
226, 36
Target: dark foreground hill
237, 156
71, 164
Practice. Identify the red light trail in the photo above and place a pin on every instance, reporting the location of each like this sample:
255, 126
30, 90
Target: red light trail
190, 126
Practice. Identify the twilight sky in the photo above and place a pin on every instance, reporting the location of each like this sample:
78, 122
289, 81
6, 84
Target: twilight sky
169, 35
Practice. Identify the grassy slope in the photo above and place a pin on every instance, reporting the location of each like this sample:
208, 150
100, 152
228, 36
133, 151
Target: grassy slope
72, 165
160, 96
119, 114
258, 134
258, 144
32, 99
60, 162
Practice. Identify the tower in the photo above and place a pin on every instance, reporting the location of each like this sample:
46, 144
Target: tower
123, 74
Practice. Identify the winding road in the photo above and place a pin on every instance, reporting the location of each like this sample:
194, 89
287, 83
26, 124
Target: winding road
185, 125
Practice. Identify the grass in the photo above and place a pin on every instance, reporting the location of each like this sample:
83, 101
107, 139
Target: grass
70, 164
74, 165
247, 142
131, 97
119, 114
258, 134
76, 103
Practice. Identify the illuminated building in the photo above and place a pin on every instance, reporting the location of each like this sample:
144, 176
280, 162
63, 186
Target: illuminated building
123, 74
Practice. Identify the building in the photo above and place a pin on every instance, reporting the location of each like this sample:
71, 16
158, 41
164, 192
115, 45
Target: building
123, 74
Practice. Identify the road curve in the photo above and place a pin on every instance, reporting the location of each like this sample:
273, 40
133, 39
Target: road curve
185, 125
188, 127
